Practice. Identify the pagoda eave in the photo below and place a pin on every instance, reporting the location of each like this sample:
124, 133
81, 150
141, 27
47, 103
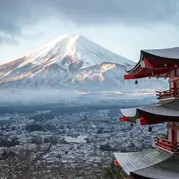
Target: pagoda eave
125, 119
152, 114
154, 63
150, 163
145, 72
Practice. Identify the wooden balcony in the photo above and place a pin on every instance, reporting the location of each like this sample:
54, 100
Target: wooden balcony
162, 95
167, 145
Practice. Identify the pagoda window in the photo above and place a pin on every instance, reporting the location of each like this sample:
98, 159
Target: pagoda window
177, 135
170, 134
174, 137
177, 71
172, 73
177, 83
173, 131
171, 85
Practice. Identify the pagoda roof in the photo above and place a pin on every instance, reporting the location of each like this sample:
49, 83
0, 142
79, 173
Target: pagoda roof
167, 169
150, 163
135, 161
154, 63
152, 114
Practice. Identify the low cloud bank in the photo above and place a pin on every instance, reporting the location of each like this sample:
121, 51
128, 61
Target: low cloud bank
72, 98
37, 96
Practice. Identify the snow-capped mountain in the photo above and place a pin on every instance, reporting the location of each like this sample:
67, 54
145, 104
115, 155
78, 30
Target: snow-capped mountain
70, 61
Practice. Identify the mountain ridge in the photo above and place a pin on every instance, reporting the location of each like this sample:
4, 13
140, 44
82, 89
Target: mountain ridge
70, 61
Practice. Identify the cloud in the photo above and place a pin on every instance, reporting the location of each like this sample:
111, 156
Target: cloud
116, 11
15, 15
8, 38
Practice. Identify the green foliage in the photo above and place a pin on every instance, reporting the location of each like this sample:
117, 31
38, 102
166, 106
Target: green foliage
34, 127
105, 147
5, 142
100, 130
49, 127
53, 140
40, 127
114, 172
36, 140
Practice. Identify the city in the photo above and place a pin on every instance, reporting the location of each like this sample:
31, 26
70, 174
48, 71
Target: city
81, 143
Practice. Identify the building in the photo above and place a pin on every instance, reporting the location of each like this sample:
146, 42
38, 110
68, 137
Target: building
162, 161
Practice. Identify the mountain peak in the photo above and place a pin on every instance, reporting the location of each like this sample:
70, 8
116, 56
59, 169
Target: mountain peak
77, 47
70, 57
59, 39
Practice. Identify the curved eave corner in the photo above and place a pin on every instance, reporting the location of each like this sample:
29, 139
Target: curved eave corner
151, 64
133, 115
125, 119
129, 68
142, 120
132, 69
129, 115
129, 77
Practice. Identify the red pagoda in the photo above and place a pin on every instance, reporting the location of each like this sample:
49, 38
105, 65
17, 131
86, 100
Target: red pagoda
161, 161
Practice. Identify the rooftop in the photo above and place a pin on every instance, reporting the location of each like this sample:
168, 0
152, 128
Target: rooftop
150, 163
155, 63
153, 114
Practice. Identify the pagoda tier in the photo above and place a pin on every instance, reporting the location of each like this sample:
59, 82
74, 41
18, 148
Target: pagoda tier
152, 114
168, 112
163, 161
149, 164
155, 63
163, 63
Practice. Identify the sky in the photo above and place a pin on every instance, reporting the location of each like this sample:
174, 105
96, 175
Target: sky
122, 26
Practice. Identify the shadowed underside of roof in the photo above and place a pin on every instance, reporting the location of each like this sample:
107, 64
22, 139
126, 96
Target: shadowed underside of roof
157, 114
168, 169
136, 161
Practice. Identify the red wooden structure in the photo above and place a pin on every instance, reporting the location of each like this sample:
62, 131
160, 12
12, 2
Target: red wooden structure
162, 63
159, 64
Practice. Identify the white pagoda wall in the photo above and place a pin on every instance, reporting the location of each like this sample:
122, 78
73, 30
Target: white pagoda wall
170, 134
170, 131
178, 136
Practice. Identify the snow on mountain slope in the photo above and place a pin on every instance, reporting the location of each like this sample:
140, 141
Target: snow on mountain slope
73, 48
70, 61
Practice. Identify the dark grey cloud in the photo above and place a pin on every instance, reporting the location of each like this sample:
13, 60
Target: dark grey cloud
18, 14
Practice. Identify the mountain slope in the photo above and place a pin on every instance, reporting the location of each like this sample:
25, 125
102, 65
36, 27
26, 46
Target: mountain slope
70, 61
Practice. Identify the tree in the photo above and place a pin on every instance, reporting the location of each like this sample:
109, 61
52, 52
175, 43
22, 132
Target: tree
5, 142
112, 113
16, 165
113, 172
53, 140
105, 147
34, 127
100, 130
49, 127
36, 140
24, 165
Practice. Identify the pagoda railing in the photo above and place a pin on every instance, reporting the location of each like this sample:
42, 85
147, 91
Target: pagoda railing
168, 145
167, 93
